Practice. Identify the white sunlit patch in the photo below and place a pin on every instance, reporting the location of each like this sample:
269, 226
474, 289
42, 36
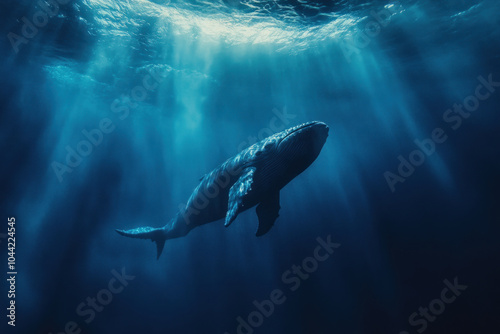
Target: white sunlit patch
235, 28
230, 29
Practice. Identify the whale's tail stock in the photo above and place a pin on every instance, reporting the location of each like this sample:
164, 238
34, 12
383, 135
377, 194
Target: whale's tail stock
158, 235
174, 229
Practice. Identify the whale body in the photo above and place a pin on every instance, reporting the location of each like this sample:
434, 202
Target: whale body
255, 176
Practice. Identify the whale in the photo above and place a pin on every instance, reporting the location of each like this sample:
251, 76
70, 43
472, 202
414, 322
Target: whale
254, 177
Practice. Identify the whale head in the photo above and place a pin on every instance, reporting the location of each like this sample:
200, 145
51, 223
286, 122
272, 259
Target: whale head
286, 154
302, 144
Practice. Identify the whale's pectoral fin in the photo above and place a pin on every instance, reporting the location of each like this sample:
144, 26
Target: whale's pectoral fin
268, 212
236, 194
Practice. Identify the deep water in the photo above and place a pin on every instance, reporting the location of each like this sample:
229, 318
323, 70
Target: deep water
175, 88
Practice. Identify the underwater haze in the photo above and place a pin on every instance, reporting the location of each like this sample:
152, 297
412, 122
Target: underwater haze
112, 111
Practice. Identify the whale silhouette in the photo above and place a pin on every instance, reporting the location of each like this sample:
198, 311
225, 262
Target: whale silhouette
254, 176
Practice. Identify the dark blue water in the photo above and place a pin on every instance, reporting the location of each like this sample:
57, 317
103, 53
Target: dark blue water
168, 90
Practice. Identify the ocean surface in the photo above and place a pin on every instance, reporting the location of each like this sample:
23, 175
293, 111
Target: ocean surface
111, 111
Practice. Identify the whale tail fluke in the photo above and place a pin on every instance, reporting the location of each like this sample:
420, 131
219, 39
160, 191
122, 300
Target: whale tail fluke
157, 235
